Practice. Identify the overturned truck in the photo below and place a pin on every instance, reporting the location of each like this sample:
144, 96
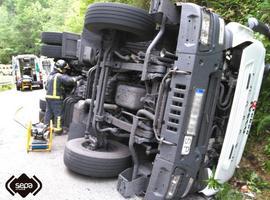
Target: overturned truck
169, 96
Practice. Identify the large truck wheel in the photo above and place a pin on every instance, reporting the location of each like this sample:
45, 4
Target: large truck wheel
51, 51
54, 38
136, 22
100, 163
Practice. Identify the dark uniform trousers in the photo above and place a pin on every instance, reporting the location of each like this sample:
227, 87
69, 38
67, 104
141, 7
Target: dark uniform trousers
54, 110
54, 98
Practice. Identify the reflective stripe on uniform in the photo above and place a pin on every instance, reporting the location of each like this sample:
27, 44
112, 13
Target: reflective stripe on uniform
57, 129
58, 123
54, 96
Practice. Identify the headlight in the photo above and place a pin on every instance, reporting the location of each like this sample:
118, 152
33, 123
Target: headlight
205, 29
221, 31
173, 185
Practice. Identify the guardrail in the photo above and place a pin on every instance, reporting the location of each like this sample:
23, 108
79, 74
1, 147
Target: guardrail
6, 80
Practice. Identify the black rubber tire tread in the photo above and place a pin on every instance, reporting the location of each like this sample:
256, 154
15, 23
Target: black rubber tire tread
135, 21
54, 38
41, 116
51, 51
42, 104
96, 164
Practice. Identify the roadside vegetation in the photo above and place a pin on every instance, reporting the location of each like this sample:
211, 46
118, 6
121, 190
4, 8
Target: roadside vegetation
6, 87
22, 21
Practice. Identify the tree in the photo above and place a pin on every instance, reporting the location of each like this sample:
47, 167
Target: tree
22, 22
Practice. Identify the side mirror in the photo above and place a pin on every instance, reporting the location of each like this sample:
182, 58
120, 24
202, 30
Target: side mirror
259, 27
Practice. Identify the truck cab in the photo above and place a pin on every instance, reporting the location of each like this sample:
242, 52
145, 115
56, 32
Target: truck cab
169, 98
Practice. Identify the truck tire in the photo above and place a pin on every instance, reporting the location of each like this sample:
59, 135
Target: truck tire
100, 163
42, 104
136, 22
51, 51
41, 116
54, 38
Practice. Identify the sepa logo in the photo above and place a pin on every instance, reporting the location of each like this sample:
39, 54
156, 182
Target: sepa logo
23, 185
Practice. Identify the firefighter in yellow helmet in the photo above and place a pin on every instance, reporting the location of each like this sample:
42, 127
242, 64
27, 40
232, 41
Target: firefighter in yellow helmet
55, 94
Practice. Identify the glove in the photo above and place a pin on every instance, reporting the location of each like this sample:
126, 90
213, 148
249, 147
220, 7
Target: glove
77, 78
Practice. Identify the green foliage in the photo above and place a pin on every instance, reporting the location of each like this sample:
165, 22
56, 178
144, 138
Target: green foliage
213, 183
6, 87
256, 183
267, 149
236, 10
227, 192
266, 165
251, 179
263, 124
22, 22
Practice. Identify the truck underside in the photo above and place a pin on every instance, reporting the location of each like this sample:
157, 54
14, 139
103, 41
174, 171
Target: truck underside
169, 96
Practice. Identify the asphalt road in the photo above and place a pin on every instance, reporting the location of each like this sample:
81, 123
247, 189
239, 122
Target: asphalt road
58, 182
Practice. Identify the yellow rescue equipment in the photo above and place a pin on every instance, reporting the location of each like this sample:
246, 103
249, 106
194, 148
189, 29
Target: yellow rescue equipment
39, 137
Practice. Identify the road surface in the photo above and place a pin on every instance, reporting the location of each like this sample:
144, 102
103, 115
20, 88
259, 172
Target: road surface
58, 182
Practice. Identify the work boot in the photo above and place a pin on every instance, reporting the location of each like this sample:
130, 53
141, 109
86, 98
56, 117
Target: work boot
58, 131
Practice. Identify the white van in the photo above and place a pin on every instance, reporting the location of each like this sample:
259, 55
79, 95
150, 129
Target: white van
27, 71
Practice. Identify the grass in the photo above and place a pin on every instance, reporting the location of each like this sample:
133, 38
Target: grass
228, 192
6, 87
253, 176
244, 178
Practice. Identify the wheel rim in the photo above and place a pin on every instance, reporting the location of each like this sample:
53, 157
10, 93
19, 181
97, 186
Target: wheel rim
110, 147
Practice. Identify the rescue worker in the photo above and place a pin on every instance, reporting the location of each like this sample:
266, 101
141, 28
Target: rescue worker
55, 94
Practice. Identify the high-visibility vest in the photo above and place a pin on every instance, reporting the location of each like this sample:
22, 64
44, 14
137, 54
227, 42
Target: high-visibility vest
53, 87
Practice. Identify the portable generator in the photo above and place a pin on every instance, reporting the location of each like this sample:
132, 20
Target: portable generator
39, 137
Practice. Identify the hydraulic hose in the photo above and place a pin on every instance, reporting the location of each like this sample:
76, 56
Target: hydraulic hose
15, 116
151, 46
228, 96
